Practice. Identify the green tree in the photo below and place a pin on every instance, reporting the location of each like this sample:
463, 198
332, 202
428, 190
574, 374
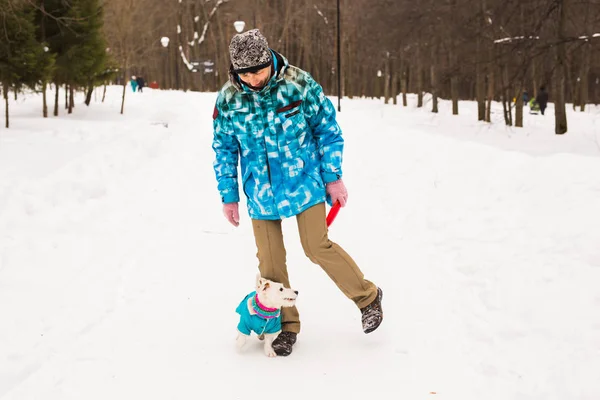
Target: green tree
73, 31
23, 61
88, 56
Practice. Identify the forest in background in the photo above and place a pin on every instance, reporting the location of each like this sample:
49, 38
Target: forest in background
481, 50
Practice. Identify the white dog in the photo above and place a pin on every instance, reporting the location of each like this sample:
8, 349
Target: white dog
260, 312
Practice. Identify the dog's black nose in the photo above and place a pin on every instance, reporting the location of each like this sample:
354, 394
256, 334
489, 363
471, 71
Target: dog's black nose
295, 291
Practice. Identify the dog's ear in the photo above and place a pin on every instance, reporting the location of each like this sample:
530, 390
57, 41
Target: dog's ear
262, 284
258, 280
265, 285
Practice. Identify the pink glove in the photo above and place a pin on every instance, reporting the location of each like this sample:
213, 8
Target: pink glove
337, 191
231, 212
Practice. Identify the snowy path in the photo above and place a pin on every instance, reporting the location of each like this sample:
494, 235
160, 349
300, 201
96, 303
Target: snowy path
119, 276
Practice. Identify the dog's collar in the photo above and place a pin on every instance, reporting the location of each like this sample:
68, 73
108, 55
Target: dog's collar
262, 311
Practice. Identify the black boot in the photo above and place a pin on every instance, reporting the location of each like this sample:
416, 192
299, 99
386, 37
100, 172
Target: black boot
372, 315
283, 343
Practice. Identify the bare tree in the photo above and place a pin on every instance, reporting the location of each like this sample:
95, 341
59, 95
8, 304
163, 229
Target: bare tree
488, 50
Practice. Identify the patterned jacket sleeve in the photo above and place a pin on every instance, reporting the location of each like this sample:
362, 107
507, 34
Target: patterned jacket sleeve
226, 150
320, 114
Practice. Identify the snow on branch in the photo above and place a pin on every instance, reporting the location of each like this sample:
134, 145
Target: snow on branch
185, 60
196, 37
516, 38
214, 10
511, 39
595, 35
321, 14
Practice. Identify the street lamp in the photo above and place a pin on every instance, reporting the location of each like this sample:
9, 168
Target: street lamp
164, 41
239, 26
339, 58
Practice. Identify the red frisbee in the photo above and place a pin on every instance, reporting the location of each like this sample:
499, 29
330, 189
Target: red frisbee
333, 213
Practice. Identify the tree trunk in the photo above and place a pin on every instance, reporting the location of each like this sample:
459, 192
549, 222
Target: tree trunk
56, 86
88, 95
571, 84
519, 106
66, 97
71, 99
506, 97
387, 80
349, 66
585, 64
395, 87
404, 83
419, 77
480, 93
433, 77
194, 49
560, 112
490, 95
169, 69
520, 84
104, 93
6, 105
43, 40
534, 77
44, 100
480, 84
585, 83
453, 78
506, 110
124, 90
179, 49
454, 93
479, 71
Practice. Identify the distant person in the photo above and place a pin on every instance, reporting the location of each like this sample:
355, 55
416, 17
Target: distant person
534, 107
542, 99
525, 97
274, 121
133, 83
141, 83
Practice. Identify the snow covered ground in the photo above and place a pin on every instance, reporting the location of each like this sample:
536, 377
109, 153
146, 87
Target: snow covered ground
119, 276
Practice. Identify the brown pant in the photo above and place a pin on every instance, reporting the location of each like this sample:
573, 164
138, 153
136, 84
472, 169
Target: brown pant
320, 250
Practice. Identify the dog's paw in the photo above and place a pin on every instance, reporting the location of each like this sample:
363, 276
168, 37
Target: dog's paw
270, 353
240, 342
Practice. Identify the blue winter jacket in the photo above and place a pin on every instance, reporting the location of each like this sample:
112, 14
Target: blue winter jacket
286, 138
253, 323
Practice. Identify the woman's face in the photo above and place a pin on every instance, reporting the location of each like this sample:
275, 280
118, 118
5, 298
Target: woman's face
258, 79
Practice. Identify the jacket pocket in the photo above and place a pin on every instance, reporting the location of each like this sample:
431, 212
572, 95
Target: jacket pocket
289, 106
312, 170
292, 114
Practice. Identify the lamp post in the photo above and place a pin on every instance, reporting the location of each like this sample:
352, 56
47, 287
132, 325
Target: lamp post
339, 62
239, 26
164, 41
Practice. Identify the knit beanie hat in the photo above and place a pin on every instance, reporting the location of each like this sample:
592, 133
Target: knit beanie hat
249, 52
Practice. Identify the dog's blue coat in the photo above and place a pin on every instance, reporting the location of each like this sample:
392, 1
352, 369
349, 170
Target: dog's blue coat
255, 323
